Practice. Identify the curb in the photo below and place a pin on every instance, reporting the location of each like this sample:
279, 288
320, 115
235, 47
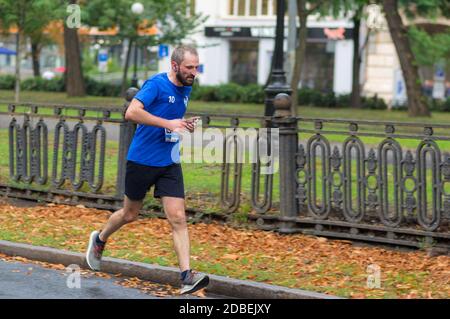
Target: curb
163, 275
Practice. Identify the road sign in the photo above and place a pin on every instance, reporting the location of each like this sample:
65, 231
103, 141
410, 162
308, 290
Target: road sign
103, 61
439, 83
163, 51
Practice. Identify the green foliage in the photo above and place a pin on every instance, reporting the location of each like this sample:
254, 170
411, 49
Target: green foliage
40, 84
170, 16
429, 49
7, 82
88, 63
440, 106
102, 88
425, 8
229, 92
433, 104
233, 93
205, 93
253, 93
373, 103
93, 87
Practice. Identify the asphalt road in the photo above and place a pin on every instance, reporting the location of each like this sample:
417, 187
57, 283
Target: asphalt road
30, 281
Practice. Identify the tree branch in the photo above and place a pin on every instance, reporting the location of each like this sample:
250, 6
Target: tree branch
315, 7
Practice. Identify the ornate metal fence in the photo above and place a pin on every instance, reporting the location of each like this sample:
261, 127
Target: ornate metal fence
76, 137
375, 181
366, 180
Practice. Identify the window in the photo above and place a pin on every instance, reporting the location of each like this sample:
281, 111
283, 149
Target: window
252, 7
231, 8
244, 62
318, 71
265, 8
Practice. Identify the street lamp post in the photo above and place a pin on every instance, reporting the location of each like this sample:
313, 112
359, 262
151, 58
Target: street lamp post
278, 83
278, 107
137, 8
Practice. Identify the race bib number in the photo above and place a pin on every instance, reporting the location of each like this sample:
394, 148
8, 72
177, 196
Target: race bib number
171, 137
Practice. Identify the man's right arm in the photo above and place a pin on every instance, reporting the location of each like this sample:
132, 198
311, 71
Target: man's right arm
136, 113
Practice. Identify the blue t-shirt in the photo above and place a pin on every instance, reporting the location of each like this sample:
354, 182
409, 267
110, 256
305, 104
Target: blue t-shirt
164, 99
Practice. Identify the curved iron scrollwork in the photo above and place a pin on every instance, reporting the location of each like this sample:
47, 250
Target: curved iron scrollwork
77, 174
394, 219
40, 153
320, 211
64, 171
445, 189
372, 180
409, 184
15, 162
428, 146
79, 164
352, 215
95, 178
337, 177
265, 203
28, 151
230, 201
301, 176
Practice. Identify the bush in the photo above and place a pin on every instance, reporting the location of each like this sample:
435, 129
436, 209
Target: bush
328, 100
230, 92
7, 82
203, 93
57, 85
343, 100
96, 88
439, 106
253, 93
304, 96
40, 84
373, 103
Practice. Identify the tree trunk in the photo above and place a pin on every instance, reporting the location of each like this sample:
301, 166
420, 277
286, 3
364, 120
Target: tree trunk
35, 54
125, 69
416, 103
18, 54
74, 72
356, 88
300, 53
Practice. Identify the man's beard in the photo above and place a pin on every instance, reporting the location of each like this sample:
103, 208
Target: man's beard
184, 80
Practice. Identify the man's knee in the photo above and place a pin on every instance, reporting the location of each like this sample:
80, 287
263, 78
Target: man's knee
177, 219
130, 215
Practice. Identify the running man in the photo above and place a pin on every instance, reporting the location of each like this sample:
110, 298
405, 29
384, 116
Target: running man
153, 160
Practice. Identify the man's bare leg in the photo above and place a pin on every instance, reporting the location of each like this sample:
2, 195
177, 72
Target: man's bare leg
97, 240
175, 212
127, 214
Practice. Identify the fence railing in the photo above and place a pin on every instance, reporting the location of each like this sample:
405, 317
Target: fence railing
366, 180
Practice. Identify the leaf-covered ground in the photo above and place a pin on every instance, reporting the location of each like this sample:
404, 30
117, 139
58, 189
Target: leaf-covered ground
298, 261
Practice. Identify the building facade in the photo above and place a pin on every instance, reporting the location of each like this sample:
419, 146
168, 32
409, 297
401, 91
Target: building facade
236, 44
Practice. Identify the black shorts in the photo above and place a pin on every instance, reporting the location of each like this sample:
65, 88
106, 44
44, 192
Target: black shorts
168, 181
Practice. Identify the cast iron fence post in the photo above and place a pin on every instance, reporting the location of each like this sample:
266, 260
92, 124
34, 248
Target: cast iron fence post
277, 81
288, 142
126, 135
